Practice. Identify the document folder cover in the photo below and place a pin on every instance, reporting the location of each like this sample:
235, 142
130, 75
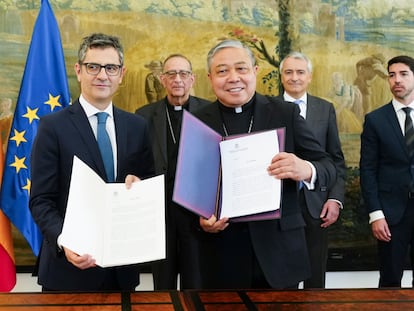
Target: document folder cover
198, 174
198, 167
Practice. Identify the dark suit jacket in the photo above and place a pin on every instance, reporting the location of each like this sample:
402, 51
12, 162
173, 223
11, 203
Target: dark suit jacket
155, 114
321, 118
280, 245
385, 164
60, 136
182, 225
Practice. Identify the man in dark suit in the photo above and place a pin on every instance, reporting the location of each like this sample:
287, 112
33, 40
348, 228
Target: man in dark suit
320, 208
164, 118
387, 173
271, 253
72, 131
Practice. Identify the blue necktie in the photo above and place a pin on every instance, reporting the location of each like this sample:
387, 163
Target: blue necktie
105, 147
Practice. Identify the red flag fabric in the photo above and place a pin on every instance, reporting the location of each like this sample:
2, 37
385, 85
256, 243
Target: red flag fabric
7, 266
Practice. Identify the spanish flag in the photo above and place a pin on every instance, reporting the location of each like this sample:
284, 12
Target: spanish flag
7, 267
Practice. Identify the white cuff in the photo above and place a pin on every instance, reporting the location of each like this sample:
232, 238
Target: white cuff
375, 216
311, 185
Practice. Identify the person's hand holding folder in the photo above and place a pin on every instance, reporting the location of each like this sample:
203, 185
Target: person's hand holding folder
79, 261
288, 166
213, 225
130, 179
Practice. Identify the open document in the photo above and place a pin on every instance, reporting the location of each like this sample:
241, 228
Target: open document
247, 187
117, 226
227, 176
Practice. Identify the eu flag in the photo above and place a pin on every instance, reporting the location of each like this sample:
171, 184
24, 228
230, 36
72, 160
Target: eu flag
44, 89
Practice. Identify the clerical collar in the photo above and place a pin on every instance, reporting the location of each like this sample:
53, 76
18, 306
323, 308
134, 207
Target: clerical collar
236, 121
246, 107
177, 108
175, 117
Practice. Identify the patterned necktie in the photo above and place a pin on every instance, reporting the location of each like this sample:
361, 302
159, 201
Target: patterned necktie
105, 147
409, 131
300, 183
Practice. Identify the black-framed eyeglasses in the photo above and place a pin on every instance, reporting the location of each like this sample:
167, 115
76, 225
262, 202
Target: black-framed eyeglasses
171, 74
95, 69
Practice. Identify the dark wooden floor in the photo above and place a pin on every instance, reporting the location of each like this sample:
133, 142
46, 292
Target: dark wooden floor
243, 300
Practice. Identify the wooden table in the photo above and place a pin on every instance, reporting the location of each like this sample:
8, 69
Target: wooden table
243, 300
330, 299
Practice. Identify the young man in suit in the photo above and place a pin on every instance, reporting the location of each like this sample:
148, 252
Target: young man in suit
320, 208
387, 172
164, 118
270, 253
72, 131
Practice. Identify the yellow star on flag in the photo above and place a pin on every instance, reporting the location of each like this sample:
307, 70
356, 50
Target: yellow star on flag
31, 114
53, 102
28, 185
19, 137
18, 163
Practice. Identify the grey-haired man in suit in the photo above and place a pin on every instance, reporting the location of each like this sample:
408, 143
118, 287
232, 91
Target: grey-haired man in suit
320, 207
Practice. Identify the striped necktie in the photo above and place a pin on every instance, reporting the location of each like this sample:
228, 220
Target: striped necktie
409, 131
